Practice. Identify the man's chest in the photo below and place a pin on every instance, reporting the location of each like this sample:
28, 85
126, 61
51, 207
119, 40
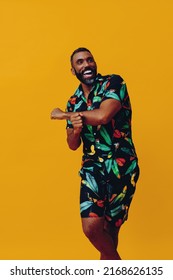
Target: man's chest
92, 102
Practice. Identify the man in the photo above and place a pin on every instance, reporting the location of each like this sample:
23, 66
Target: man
99, 115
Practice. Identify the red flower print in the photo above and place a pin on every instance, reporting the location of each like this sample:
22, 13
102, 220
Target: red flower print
107, 85
120, 161
119, 223
93, 215
73, 100
89, 103
100, 203
112, 197
132, 158
117, 133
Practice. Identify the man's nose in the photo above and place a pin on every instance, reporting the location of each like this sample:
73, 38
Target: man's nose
86, 63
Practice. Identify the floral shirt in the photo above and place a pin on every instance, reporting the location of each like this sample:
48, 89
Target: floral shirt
110, 143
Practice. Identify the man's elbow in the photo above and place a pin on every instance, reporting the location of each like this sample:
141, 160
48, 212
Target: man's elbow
73, 148
103, 119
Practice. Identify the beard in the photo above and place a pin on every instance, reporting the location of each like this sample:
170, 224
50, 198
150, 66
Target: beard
87, 81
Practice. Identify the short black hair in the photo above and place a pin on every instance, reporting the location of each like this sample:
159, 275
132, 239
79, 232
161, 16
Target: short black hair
78, 50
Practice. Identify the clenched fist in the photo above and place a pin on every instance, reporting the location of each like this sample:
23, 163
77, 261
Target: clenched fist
57, 114
77, 122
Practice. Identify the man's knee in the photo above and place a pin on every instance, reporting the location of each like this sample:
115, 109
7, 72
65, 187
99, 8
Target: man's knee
90, 232
92, 229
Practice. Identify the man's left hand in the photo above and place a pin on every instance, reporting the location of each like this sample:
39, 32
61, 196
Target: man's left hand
57, 114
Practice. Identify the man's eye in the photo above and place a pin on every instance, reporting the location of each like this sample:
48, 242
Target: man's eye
80, 61
90, 59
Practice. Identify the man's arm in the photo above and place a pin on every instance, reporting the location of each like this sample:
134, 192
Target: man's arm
73, 134
73, 139
103, 115
108, 109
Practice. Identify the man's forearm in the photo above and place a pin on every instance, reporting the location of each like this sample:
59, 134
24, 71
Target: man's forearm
93, 117
102, 115
73, 139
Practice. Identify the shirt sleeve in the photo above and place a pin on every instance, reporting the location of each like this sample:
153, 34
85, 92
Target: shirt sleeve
115, 89
69, 109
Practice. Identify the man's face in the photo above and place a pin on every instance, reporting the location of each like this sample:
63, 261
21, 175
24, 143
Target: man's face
84, 67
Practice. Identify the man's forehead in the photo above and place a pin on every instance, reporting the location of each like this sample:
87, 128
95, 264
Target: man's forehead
82, 55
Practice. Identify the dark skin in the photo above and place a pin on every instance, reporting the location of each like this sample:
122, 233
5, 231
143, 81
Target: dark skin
100, 233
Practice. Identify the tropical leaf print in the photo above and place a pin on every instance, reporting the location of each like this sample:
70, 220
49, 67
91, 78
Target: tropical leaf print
85, 205
96, 89
77, 106
123, 91
89, 127
127, 151
115, 169
129, 140
90, 137
125, 126
90, 182
131, 167
116, 210
96, 99
115, 137
113, 95
105, 135
120, 197
89, 168
105, 85
108, 164
103, 147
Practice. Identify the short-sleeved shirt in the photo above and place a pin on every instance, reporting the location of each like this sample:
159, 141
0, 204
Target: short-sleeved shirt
114, 139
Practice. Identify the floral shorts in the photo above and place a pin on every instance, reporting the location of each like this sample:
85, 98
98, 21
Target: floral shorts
103, 194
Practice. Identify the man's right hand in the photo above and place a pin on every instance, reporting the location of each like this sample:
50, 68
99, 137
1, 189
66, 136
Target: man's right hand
77, 122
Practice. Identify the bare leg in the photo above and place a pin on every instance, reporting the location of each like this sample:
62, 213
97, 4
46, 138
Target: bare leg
94, 229
113, 232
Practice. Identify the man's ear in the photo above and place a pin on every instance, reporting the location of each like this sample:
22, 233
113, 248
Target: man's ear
73, 72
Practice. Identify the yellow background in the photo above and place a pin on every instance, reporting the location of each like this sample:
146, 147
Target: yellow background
39, 183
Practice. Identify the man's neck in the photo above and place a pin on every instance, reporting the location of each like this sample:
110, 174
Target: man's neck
86, 89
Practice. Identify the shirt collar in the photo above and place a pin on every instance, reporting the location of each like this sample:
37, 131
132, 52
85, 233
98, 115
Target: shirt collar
97, 79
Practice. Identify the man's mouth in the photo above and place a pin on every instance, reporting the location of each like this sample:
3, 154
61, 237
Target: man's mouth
88, 74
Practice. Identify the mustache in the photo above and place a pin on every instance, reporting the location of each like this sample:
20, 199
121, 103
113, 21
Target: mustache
88, 68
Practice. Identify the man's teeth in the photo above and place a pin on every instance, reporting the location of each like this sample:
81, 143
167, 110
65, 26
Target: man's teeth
87, 72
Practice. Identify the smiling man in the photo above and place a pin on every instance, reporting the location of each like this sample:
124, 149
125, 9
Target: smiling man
86, 75
99, 116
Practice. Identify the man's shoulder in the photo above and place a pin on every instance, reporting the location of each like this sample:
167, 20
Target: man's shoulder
77, 93
113, 78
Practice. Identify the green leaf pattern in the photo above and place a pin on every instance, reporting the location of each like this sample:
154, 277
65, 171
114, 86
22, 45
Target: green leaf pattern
111, 141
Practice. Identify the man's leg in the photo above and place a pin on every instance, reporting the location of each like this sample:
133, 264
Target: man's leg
113, 232
103, 241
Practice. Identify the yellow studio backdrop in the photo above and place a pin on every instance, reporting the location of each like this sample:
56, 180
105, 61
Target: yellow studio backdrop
39, 183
